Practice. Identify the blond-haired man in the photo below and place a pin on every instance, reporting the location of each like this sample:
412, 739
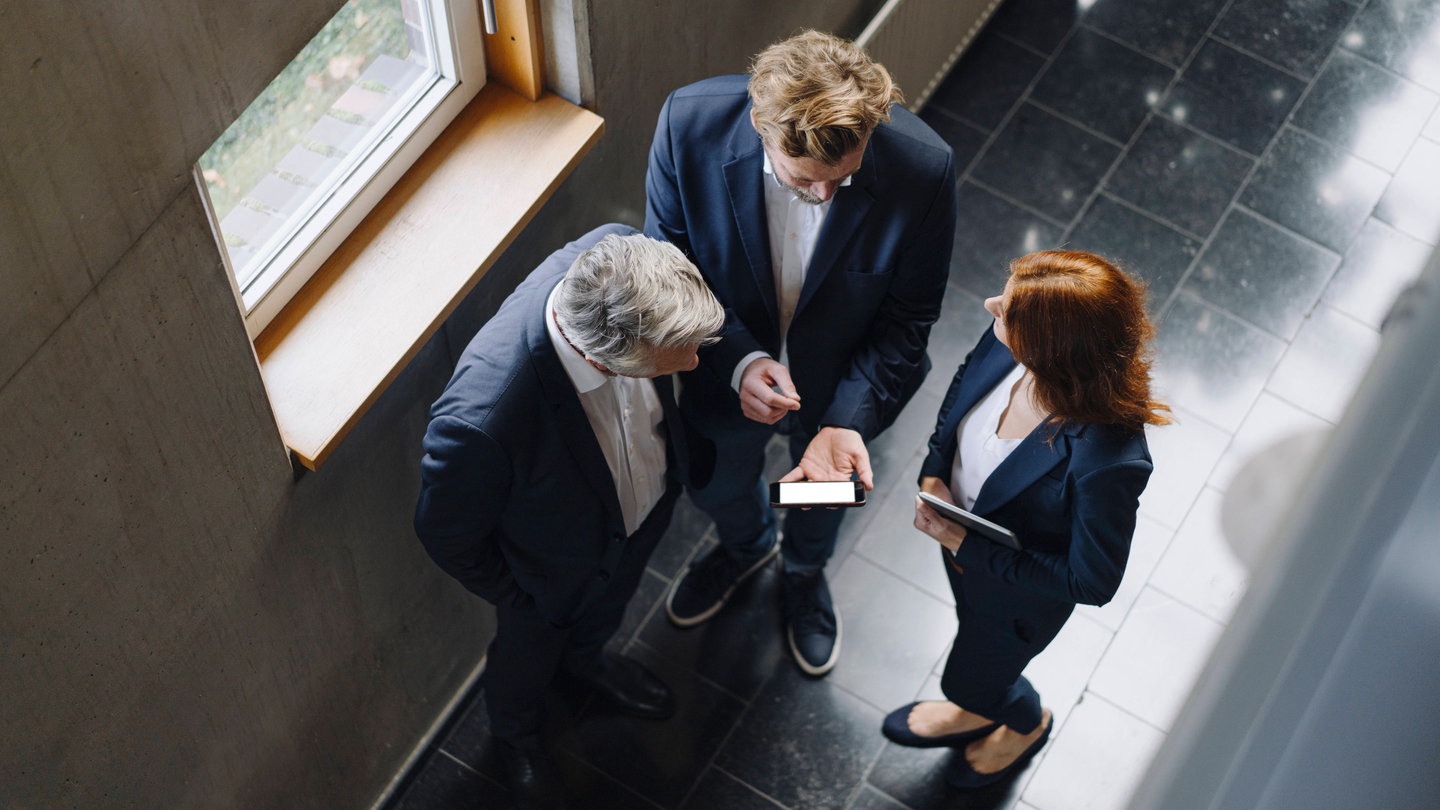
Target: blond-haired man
822, 215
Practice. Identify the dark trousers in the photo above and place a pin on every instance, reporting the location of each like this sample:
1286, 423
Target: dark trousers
738, 496
528, 651
982, 674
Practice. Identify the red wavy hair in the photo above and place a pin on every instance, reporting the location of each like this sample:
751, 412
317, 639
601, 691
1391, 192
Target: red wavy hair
1078, 323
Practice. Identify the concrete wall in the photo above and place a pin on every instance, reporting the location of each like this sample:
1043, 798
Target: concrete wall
182, 623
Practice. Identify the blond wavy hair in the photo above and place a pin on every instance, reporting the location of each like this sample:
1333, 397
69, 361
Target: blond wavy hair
818, 96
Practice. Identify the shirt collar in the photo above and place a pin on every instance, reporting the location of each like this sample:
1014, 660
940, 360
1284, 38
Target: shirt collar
583, 376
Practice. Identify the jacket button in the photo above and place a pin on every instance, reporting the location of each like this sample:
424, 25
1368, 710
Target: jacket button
619, 538
604, 576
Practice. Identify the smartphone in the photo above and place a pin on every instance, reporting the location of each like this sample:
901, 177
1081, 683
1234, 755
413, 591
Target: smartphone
817, 493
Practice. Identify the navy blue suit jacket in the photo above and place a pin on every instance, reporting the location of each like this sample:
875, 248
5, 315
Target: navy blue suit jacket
876, 278
1071, 502
517, 501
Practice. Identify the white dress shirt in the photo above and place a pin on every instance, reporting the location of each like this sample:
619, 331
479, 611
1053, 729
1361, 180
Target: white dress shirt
794, 228
979, 449
625, 414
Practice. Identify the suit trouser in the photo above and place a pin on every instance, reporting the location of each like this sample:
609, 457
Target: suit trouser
527, 650
983, 673
738, 496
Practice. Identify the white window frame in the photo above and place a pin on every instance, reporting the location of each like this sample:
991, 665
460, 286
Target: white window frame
461, 64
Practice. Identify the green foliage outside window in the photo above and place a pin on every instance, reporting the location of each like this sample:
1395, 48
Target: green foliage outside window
297, 98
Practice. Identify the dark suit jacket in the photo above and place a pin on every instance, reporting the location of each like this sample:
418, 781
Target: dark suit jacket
875, 281
1072, 503
516, 499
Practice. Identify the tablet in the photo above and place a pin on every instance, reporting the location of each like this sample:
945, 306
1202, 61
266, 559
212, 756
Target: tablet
973, 522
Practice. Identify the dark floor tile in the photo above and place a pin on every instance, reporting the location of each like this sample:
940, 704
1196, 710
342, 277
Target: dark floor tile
989, 234
739, 648
1261, 273
1150, 249
966, 140
1102, 84
589, 788
1366, 110
1180, 176
442, 783
689, 528
1401, 35
869, 798
1233, 96
1411, 203
658, 760
987, 81
649, 596
895, 630
718, 790
1212, 363
916, 778
1377, 267
1165, 29
1295, 34
1045, 162
830, 738
469, 740
962, 322
1039, 24
1314, 188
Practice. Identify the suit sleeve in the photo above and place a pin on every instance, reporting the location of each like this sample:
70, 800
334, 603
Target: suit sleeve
1102, 525
664, 209
665, 218
464, 485
940, 450
886, 370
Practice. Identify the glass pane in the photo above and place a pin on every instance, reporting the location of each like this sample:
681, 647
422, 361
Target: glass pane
315, 122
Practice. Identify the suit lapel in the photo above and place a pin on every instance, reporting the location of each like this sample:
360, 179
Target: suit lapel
1026, 464
1032, 458
848, 210
560, 395
675, 439
987, 367
744, 178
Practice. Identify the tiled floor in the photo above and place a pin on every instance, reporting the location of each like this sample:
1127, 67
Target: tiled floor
1268, 166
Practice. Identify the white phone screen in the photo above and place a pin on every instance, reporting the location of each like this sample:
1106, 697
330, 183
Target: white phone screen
817, 492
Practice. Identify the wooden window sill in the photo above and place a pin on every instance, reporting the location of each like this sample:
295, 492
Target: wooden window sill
365, 314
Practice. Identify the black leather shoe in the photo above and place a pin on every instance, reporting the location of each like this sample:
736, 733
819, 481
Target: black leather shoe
532, 777
630, 687
811, 622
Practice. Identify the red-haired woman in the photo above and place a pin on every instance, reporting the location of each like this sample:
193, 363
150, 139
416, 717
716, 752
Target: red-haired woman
1042, 432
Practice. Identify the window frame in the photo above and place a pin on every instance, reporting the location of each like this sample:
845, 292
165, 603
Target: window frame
460, 61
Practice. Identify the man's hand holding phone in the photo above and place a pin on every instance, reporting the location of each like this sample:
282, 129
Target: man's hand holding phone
835, 455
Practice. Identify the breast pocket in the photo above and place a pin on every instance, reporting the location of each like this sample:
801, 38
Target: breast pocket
870, 270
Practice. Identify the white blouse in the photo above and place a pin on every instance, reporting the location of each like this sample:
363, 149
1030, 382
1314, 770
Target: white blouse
979, 448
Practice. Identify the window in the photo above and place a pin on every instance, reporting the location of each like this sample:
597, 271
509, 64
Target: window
305, 162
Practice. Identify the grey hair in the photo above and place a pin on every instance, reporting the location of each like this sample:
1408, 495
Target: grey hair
627, 296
